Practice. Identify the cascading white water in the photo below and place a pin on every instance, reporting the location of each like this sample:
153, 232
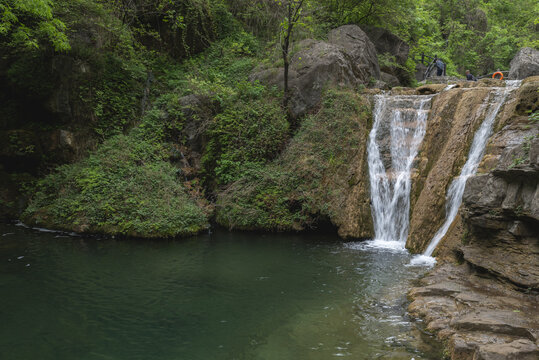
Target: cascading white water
477, 150
399, 128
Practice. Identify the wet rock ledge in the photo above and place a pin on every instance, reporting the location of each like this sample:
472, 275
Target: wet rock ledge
482, 299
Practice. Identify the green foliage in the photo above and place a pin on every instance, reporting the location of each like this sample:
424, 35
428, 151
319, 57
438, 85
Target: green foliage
261, 17
388, 13
126, 187
467, 34
181, 27
523, 155
262, 200
31, 74
216, 71
481, 36
101, 76
115, 95
533, 118
250, 131
247, 127
466, 237
309, 180
24, 23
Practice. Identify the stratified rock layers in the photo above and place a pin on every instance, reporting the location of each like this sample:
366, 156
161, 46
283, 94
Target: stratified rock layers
482, 298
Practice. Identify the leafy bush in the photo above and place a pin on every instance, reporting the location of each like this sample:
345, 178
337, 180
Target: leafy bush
25, 24
310, 179
116, 95
250, 131
126, 187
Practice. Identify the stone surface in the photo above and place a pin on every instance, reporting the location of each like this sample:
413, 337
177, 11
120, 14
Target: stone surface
430, 89
386, 42
477, 315
520, 349
455, 114
389, 79
361, 49
433, 79
420, 70
347, 59
483, 296
524, 64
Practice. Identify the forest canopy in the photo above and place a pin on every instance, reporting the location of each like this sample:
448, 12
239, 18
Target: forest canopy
482, 35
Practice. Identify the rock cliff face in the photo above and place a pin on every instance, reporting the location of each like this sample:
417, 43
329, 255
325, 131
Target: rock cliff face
455, 115
482, 298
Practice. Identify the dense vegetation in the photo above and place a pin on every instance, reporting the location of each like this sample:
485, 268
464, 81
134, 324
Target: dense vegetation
307, 184
126, 187
165, 120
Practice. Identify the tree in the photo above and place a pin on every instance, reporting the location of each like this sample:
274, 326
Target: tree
293, 14
24, 22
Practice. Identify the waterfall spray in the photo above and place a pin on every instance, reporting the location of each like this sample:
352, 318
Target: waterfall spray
399, 128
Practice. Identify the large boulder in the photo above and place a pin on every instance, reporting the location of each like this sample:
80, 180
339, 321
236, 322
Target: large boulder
389, 79
387, 42
391, 46
358, 45
524, 64
347, 59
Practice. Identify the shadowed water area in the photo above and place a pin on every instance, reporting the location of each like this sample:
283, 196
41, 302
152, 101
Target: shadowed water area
219, 296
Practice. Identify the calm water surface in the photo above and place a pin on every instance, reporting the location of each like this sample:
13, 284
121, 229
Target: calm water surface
219, 296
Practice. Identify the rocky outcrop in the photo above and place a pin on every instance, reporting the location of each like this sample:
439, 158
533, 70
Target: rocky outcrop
319, 179
433, 79
476, 316
524, 64
387, 43
361, 50
455, 115
389, 79
482, 298
347, 59
198, 112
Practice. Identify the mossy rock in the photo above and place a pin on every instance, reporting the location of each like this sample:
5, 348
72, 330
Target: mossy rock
125, 188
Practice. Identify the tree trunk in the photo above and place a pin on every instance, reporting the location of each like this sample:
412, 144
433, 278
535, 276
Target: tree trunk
286, 90
286, 61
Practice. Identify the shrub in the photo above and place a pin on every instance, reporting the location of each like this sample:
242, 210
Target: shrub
250, 131
310, 179
126, 187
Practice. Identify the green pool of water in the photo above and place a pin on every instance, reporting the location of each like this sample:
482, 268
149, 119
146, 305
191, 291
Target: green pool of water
218, 296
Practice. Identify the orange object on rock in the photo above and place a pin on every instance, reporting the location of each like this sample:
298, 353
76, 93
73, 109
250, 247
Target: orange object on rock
497, 73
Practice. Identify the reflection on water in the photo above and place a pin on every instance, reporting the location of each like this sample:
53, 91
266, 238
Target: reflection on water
224, 296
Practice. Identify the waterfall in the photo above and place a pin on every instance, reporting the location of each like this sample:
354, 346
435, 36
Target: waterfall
398, 130
477, 150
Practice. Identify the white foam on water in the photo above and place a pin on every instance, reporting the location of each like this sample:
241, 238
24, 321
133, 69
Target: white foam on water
422, 260
404, 120
391, 246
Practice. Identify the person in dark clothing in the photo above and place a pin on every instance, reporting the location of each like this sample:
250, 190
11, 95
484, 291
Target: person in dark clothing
440, 66
469, 76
